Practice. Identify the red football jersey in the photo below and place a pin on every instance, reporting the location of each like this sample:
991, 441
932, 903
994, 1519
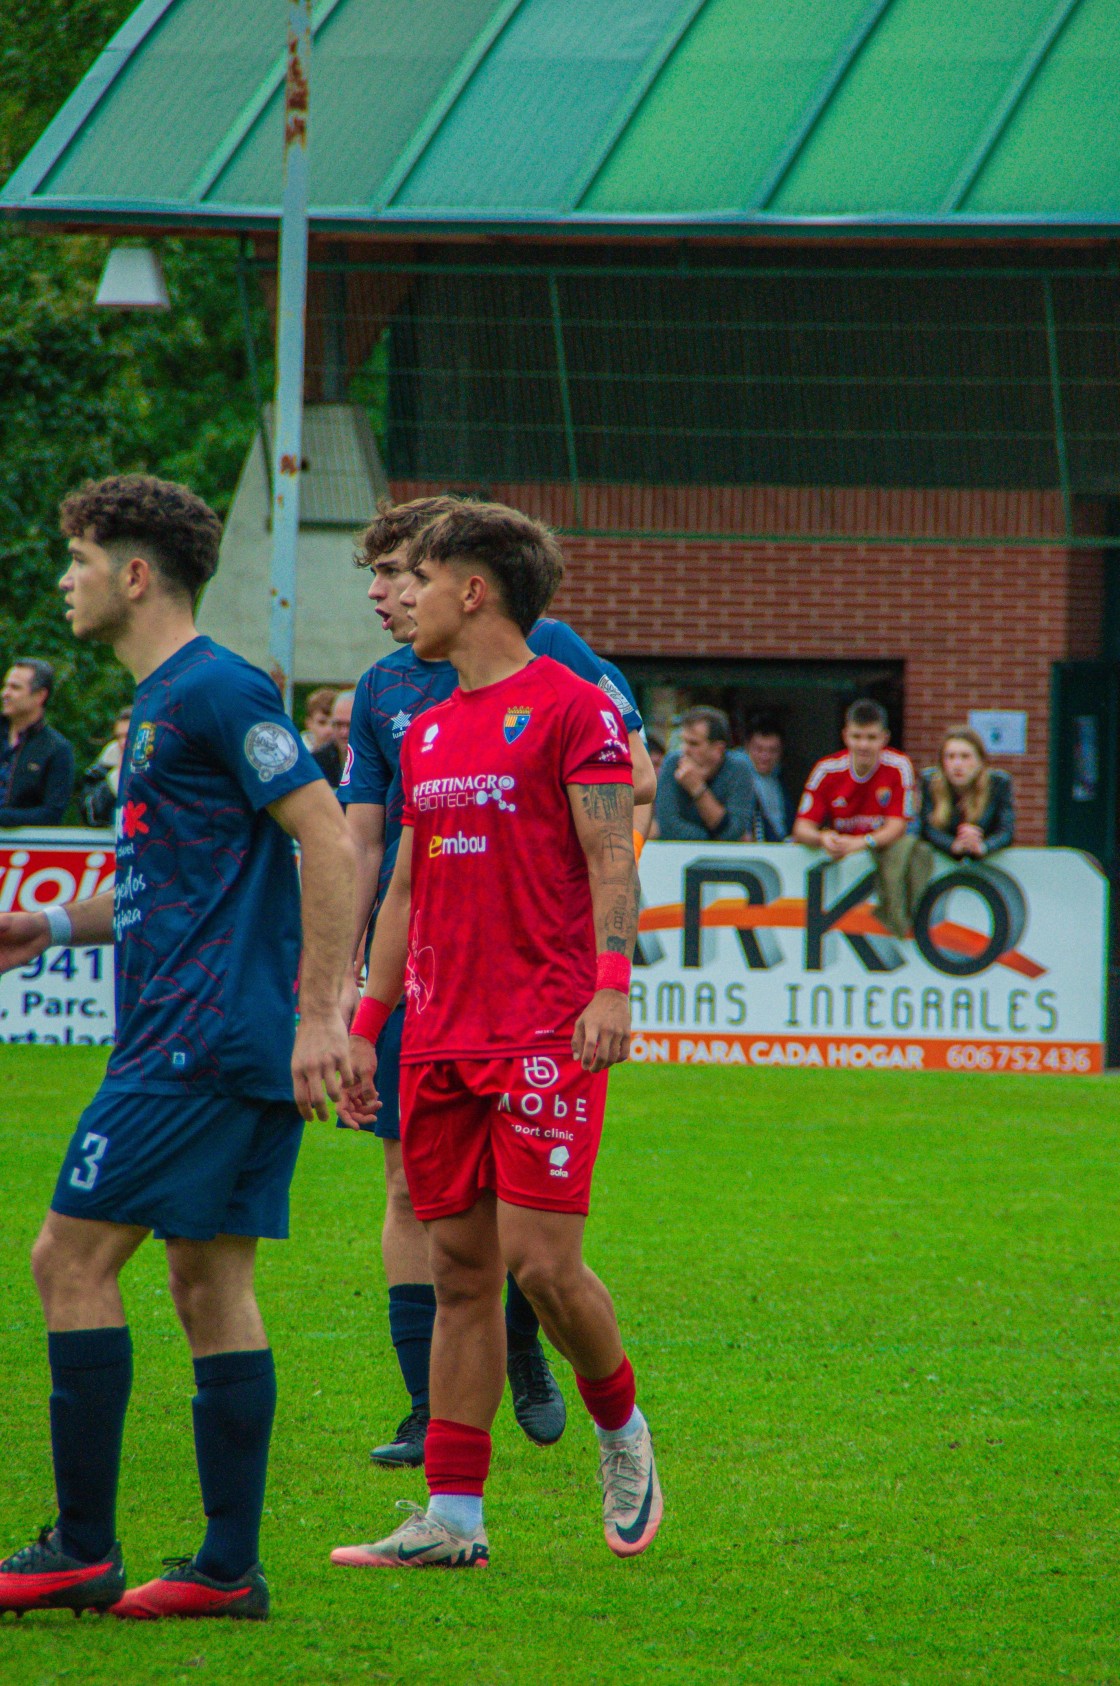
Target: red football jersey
836, 800
501, 937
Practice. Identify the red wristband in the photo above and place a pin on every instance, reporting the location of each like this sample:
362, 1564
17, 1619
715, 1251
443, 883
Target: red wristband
369, 1021
612, 971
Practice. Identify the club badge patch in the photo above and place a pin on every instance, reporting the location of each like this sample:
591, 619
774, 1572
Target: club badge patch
515, 723
143, 746
883, 795
270, 750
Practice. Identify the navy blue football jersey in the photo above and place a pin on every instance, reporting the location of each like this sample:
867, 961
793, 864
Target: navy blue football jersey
207, 918
391, 694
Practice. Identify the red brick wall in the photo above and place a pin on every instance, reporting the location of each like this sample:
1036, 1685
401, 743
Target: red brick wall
977, 626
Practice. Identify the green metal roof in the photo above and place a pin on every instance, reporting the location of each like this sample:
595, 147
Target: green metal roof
574, 116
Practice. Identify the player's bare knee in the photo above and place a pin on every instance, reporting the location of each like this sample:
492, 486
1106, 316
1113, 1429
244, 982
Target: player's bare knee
462, 1283
190, 1294
44, 1262
398, 1204
549, 1283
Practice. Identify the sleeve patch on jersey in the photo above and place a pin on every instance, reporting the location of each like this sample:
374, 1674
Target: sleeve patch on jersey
345, 779
806, 803
270, 749
607, 684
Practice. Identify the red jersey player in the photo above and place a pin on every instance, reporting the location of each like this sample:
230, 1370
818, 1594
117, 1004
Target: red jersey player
509, 921
861, 799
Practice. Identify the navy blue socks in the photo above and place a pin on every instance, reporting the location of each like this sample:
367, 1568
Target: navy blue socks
233, 1412
91, 1378
522, 1327
412, 1316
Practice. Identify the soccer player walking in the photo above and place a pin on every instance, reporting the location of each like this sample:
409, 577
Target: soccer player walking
389, 697
195, 1131
509, 921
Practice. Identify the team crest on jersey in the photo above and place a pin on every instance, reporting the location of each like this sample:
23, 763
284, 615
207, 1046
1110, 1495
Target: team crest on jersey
515, 723
270, 749
883, 795
143, 746
400, 723
348, 769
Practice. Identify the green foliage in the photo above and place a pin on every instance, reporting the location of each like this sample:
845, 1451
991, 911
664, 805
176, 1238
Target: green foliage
873, 1320
94, 393
45, 49
90, 392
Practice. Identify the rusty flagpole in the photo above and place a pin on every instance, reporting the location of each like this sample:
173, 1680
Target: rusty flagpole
291, 308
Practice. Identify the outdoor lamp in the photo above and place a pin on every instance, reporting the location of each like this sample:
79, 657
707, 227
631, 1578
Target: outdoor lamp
132, 280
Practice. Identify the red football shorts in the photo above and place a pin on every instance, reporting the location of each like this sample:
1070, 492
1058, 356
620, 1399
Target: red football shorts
527, 1127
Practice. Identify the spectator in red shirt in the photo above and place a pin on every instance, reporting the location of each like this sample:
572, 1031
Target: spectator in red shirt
863, 800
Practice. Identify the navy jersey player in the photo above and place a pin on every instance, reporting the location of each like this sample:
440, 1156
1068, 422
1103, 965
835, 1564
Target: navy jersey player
194, 1132
389, 696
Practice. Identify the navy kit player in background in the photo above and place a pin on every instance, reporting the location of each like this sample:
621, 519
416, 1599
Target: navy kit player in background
195, 1130
388, 698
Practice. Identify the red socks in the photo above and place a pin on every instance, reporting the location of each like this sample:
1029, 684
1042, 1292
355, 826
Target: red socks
611, 1401
457, 1457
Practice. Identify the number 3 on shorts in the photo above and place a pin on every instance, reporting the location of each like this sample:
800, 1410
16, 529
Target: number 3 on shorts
96, 1146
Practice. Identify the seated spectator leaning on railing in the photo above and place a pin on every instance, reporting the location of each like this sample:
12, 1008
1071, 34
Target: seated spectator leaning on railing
764, 752
705, 792
862, 799
967, 807
36, 762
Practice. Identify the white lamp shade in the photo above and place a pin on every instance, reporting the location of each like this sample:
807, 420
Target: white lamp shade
132, 280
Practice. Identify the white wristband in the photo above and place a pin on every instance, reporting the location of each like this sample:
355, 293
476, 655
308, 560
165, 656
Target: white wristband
59, 926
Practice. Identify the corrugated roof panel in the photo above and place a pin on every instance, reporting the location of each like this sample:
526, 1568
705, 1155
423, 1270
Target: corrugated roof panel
183, 86
706, 135
912, 107
376, 67
528, 122
1062, 145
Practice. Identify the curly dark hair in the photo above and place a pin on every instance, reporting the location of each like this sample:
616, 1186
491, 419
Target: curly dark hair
520, 553
396, 523
169, 524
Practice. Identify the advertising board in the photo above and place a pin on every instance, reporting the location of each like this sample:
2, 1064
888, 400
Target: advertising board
66, 995
747, 955
772, 955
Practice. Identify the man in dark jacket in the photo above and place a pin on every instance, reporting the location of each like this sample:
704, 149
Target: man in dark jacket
36, 762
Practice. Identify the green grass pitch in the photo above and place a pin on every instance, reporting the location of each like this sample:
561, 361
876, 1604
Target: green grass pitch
874, 1321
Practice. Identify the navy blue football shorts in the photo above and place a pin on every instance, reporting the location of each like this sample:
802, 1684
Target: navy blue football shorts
189, 1167
387, 1123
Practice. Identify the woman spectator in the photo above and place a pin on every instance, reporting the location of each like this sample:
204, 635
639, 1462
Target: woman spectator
967, 807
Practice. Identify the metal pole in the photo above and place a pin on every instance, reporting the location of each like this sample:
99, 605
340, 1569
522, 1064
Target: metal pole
565, 396
291, 306
1056, 405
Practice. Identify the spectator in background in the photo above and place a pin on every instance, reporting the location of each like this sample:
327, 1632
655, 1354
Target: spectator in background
99, 784
656, 746
331, 758
316, 732
36, 762
862, 800
774, 818
705, 791
967, 806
